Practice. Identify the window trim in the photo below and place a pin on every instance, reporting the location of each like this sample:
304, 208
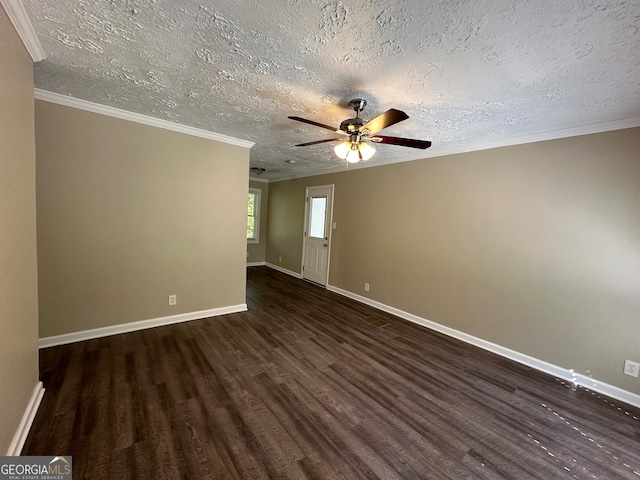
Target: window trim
256, 224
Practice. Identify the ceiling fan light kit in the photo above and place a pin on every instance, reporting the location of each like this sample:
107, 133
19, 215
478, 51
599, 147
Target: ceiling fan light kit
354, 152
355, 148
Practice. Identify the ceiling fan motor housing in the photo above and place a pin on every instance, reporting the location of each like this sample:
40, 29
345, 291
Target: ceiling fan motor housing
351, 125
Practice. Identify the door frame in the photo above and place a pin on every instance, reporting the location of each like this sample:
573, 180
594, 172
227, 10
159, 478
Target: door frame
330, 228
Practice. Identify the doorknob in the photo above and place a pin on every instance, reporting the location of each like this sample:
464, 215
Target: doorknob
325, 244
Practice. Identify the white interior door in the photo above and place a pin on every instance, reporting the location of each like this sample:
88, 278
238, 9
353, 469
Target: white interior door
317, 234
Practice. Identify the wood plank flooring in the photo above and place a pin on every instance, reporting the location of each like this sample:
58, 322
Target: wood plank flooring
311, 385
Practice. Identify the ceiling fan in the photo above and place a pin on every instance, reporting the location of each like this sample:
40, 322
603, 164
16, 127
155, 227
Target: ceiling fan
354, 148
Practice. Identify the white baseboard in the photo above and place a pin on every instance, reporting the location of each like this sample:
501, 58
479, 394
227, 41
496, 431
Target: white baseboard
27, 420
559, 372
606, 389
141, 325
256, 264
284, 270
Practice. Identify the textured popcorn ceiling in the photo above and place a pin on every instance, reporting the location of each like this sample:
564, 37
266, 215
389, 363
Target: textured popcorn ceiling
466, 72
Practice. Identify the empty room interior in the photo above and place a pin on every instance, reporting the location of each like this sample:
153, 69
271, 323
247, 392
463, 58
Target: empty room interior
323, 239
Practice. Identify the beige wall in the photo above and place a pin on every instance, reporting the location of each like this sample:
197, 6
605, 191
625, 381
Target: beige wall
18, 275
257, 251
286, 219
129, 214
533, 247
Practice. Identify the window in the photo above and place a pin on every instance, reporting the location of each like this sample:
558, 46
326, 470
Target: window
317, 215
253, 216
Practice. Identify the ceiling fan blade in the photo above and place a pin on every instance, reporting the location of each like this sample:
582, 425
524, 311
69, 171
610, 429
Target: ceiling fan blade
318, 141
403, 142
388, 118
311, 122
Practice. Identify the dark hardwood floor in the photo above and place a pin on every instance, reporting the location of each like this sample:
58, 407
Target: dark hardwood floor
309, 384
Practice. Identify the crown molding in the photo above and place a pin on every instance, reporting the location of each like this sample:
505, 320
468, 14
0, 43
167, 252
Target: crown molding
475, 147
18, 16
535, 138
80, 104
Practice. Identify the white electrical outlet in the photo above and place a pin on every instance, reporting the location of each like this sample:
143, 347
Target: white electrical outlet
366, 287
631, 368
280, 259
173, 299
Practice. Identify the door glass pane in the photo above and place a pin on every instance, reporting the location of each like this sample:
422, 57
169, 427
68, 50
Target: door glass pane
317, 212
251, 219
